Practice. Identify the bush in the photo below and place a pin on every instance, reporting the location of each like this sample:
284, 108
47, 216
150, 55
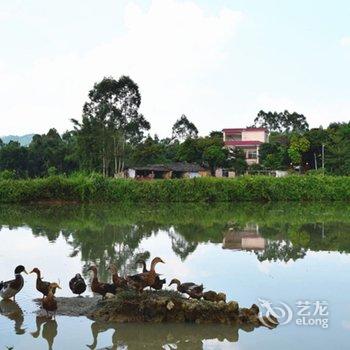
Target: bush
7, 174
95, 188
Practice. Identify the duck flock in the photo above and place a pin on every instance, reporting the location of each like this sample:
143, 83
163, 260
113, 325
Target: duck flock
147, 278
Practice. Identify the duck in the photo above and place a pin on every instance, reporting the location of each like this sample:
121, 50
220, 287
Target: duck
39, 321
42, 286
158, 283
49, 332
49, 302
193, 290
77, 284
118, 281
100, 287
13, 312
10, 289
145, 279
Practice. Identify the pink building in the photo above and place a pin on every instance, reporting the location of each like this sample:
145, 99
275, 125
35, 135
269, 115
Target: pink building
247, 139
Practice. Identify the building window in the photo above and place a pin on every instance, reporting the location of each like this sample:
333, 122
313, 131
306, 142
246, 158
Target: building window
252, 154
234, 137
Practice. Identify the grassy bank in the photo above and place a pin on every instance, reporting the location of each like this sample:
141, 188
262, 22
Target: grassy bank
98, 189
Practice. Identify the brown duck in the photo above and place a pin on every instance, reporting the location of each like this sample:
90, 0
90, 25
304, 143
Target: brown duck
145, 279
118, 281
42, 286
158, 283
49, 302
194, 291
100, 287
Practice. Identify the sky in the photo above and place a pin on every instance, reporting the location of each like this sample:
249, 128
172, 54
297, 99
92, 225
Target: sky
218, 62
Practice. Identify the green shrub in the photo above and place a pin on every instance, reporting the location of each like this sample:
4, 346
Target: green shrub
95, 188
7, 174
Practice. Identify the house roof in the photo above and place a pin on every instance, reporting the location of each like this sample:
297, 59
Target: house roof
233, 130
178, 166
242, 143
186, 167
154, 167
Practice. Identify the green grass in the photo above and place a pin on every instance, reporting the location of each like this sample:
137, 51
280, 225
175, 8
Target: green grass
95, 188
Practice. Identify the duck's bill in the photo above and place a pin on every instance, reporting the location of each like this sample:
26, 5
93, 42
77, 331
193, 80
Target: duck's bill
26, 272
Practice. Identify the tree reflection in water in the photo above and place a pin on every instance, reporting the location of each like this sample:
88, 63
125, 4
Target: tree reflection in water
103, 234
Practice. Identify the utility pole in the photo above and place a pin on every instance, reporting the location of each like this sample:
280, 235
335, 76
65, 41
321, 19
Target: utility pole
323, 157
315, 161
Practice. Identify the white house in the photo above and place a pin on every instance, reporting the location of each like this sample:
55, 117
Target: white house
247, 139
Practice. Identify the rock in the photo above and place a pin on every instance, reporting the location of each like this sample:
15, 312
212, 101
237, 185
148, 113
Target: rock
254, 309
222, 296
232, 307
221, 304
170, 305
163, 306
210, 295
269, 322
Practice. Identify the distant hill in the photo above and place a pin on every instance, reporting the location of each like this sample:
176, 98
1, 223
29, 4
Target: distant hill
24, 140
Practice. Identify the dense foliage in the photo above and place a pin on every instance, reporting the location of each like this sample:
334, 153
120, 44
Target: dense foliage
112, 135
248, 188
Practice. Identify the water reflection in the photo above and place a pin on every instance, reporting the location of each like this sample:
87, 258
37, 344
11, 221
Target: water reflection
174, 336
49, 332
105, 234
132, 336
13, 312
199, 242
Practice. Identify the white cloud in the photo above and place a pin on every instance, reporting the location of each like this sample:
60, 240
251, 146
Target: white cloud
345, 41
167, 49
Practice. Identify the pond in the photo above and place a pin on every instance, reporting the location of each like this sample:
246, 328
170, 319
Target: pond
293, 257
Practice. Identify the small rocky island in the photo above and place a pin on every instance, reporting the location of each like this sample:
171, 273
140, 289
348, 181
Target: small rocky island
161, 307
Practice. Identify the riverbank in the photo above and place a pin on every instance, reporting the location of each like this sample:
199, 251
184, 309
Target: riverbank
246, 188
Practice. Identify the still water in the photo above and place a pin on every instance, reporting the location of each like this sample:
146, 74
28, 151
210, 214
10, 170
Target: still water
281, 253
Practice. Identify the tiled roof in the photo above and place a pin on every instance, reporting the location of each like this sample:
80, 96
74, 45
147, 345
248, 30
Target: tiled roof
244, 129
243, 143
179, 166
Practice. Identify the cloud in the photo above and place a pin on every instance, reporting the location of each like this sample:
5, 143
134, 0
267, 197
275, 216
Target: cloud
168, 49
345, 41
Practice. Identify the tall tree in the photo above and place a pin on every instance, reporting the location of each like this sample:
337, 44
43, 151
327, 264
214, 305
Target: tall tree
111, 118
237, 161
282, 121
46, 151
274, 156
215, 156
298, 145
14, 157
184, 129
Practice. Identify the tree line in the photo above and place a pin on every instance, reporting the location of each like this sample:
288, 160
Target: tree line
113, 135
